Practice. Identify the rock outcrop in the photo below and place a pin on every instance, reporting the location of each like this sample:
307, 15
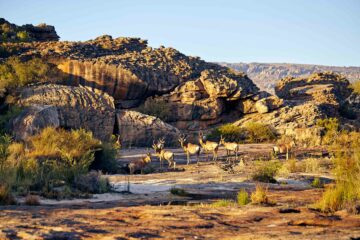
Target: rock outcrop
266, 75
32, 119
328, 90
12, 32
137, 129
76, 107
130, 71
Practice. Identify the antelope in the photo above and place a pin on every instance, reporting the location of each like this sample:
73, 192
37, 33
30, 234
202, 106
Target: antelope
230, 147
189, 149
285, 147
209, 146
139, 163
163, 154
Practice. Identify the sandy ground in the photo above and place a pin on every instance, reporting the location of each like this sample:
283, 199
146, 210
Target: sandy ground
151, 212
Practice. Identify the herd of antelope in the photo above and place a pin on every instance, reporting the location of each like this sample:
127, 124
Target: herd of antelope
192, 149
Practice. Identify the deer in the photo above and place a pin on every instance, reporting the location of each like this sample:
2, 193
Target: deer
139, 163
284, 147
208, 146
163, 154
189, 149
230, 147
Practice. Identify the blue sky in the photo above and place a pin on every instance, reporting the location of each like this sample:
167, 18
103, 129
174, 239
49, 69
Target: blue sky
297, 31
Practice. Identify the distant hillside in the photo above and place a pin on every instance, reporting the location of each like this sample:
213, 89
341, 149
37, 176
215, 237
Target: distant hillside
265, 75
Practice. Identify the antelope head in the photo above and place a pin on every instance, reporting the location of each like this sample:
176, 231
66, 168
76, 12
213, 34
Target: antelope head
222, 140
182, 139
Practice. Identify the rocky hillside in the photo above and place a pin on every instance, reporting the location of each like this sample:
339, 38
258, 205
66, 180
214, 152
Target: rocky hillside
117, 85
13, 33
266, 75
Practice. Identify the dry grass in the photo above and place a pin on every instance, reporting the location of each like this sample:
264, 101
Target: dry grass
259, 196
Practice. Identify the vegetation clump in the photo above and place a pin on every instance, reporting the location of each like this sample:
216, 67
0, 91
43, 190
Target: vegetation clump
265, 171
54, 163
356, 86
252, 132
16, 73
157, 108
259, 196
345, 194
243, 197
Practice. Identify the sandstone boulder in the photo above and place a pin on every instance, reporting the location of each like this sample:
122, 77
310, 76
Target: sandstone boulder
137, 129
226, 84
77, 107
32, 119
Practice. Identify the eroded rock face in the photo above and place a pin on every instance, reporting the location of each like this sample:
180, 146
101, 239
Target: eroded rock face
77, 107
291, 121
137, 129
33, 119
130, 71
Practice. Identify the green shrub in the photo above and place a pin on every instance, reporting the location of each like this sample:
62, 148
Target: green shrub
23, 36
259, 132
243, 197
16, 73
60, 143
356, 86
265, 171
157, 108
316, 183
178, 192
106, 160
252, 132
259, 196
230, 132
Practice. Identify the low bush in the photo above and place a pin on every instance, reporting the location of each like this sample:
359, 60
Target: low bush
265, 171
230, 132
316, 183
32, 200
92, 182
356, 86
17, 73
157, 108
106, 158
243, 197
252, 132
259, 132
179, 192
259, 196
